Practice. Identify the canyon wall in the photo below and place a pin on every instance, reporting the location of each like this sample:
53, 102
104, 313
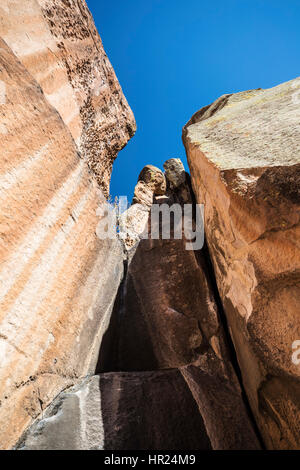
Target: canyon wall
165, 378
63, 120
243, 152
140, 343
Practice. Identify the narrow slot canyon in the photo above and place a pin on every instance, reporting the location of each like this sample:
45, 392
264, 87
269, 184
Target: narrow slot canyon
141, 339
164, 374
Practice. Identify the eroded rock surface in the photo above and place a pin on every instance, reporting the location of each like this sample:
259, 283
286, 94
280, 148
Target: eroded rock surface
188, 408
134, 221
59, 45
243, 153
143, 313
166, 317
73, 421
175, 172
58, 280
166, 377
123, 411
151, 182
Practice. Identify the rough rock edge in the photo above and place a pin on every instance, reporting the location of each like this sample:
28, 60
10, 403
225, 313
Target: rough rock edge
275, 175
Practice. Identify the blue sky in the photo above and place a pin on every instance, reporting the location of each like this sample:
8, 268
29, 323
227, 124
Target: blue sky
173, 56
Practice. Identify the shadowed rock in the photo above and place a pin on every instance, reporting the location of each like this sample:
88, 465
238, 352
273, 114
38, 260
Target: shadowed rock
243, 153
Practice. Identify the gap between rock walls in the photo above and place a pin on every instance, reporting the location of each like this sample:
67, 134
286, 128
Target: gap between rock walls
166, 361
223, 320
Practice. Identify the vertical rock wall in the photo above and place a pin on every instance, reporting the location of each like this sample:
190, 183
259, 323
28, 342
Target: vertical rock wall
243, 153
63, 120
166, 378
58, 44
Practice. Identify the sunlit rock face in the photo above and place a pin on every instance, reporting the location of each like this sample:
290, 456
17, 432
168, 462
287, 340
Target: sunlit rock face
57, 42
123, 344
243, 152
63, 119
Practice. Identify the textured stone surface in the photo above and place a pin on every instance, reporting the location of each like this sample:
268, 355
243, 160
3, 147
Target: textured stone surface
59, 45
169, 313
167, 380
166, 317
175, 172
134, 224
65, 294
123, 411
58, 280
151, 182
220, 403
72, 422
134, 221
243, 153
153, 410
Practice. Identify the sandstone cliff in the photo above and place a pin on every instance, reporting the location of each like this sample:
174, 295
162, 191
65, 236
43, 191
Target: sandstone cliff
58, 44
63, 120
243, 152
166, 378
135, 343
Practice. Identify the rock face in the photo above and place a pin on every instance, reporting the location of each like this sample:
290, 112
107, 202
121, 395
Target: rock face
61, 109
175, 172
243, 152
151, 183
134, 221
119, 411
58, 44
166, 378
73, 421
150, 324
119, 343
155, 410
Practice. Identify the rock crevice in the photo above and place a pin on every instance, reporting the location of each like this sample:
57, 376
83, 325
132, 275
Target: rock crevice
137, 342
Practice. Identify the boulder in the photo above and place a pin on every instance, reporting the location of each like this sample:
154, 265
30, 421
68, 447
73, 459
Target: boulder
151, 182
59, 45
153, 410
